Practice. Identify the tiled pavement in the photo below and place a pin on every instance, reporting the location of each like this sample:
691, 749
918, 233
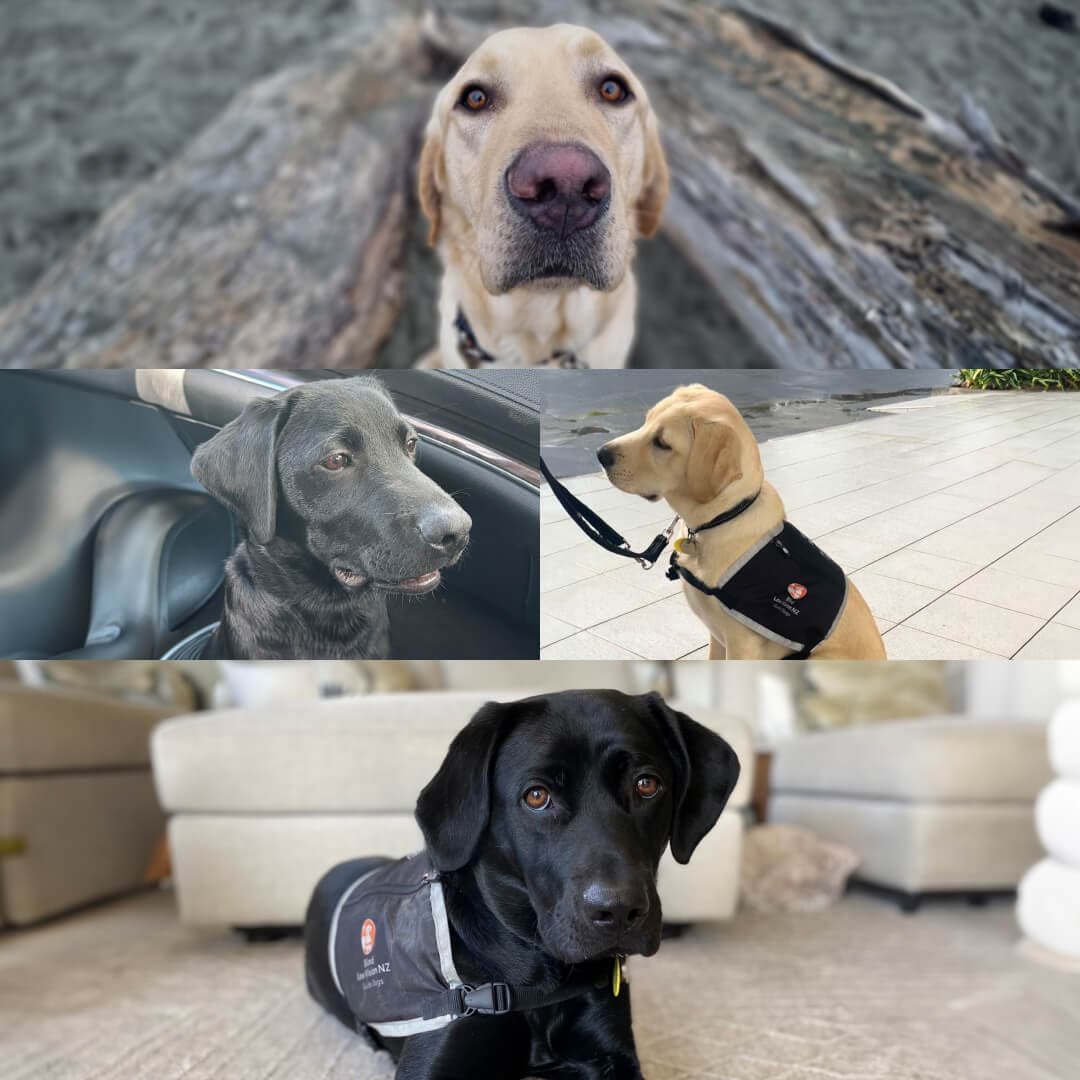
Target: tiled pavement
958, 516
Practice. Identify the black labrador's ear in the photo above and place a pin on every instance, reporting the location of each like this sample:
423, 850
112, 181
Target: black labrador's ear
706, 771
238, 466
454, 808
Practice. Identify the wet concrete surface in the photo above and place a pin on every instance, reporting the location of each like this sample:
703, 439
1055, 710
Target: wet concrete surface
584, 409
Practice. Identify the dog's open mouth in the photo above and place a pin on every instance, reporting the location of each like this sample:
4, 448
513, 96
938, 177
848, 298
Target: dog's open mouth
353, 579
422, 584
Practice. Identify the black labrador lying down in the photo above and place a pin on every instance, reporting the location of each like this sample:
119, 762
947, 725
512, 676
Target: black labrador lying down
335, 515
496, 953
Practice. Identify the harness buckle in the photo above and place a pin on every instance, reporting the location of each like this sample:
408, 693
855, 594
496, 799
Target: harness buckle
491, 999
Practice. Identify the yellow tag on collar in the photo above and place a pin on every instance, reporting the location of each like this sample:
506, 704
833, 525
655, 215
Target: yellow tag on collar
616, 977
679, 544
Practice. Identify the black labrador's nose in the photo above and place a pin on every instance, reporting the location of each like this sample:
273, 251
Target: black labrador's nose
559, 186
445, 528
606, 456
617, 909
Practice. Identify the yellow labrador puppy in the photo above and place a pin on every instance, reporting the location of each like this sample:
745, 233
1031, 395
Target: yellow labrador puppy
696, 451
541, 166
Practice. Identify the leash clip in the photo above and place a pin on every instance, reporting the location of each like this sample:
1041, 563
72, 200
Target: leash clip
647, 560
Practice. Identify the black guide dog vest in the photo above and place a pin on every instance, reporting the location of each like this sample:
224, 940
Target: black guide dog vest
784, 588
390, 952
391, 957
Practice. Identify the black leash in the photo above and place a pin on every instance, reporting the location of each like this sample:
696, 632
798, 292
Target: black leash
599, 531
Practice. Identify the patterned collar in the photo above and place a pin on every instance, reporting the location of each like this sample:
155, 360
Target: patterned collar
475, 355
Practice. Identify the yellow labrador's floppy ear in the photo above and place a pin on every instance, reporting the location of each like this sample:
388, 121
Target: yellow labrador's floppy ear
429, 179
706, 771
453, 810
656, 180
238, 466
714, 460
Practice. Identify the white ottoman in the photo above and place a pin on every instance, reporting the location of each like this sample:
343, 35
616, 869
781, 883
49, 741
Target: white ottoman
943, 804
263, 802
1048, 908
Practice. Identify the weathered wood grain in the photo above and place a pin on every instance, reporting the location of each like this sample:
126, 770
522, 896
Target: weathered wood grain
819, 217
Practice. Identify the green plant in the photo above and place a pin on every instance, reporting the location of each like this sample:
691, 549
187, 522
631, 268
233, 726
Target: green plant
1017, 379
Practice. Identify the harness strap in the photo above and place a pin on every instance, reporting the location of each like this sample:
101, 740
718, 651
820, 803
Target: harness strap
497, 999
474, 354
675, 571
599, 531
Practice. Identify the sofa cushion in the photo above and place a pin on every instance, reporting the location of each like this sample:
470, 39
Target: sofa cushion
44, 730
352, 755
941, 759
260, 870
75, 837
921, 847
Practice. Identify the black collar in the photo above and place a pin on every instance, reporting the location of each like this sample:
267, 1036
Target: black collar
726, 516
474, 354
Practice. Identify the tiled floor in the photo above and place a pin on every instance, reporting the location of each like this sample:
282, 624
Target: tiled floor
958, 517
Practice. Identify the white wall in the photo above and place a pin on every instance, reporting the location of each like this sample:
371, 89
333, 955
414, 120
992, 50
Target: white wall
1017, 689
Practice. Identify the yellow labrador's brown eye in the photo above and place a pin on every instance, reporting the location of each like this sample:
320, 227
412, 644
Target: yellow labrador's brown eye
648, 787
410, 444
475, 98
538, 798
659, 443
614, 90
335, 462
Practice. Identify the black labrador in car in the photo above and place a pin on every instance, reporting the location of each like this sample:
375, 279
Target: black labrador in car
544, 827
335, 515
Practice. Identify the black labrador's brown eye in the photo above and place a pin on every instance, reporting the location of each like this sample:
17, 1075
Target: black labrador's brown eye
614, 90
335, 462
648, 787
475, 98
538, 798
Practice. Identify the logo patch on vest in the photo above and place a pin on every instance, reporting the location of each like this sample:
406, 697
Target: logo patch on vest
796, 591
367, 937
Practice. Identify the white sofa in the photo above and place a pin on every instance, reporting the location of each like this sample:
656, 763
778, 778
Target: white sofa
263, 802
944, 804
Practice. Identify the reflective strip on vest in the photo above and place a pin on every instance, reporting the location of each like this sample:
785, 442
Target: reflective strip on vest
785, 588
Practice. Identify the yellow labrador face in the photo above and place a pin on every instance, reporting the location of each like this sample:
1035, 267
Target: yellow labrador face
542, 161
692, 446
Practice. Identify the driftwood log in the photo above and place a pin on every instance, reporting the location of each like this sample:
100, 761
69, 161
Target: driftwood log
819, 217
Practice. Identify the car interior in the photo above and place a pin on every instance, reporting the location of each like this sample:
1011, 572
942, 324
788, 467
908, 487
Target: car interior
109, 549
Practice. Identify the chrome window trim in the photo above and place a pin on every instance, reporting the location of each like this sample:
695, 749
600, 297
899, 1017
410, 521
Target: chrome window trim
279, 381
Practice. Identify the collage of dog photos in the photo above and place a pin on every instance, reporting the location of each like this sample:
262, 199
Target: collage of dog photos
426, 433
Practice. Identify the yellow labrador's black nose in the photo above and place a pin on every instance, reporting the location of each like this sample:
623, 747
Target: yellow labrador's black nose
606, 456
559, 186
